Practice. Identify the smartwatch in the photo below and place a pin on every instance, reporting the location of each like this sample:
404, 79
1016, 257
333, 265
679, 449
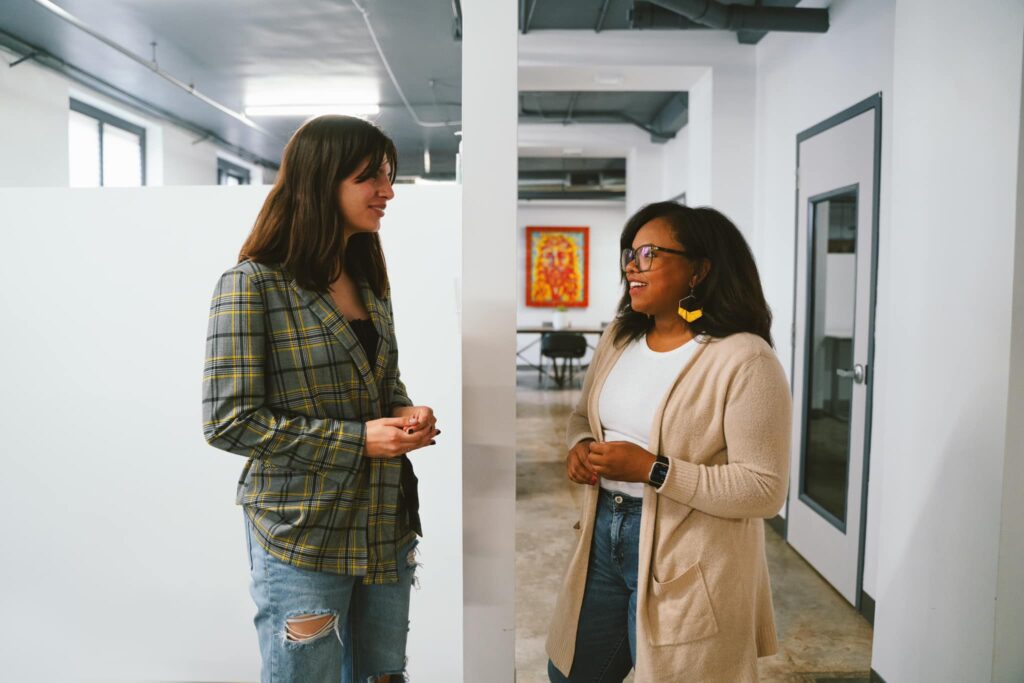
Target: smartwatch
659, 470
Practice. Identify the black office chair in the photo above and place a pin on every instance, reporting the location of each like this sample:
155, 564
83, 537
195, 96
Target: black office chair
564, 346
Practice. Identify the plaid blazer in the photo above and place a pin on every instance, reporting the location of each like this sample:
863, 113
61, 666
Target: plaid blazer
287, 385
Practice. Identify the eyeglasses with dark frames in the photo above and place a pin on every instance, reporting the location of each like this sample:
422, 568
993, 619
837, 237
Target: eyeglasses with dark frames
644, 256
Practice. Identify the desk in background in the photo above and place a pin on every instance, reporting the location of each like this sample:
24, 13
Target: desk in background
540, 331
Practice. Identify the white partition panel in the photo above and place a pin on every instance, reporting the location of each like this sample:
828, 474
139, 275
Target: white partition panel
124, 555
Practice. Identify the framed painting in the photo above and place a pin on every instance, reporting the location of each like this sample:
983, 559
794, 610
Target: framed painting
557, 266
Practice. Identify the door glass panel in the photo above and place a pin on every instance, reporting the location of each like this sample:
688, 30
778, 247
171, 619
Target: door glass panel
832, 268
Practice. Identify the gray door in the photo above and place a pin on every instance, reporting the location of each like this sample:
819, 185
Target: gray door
833, 344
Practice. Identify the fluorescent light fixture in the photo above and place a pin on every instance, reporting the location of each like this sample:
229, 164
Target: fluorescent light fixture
307, 110
609, 79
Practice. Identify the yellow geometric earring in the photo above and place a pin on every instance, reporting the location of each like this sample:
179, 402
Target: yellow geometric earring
688, 314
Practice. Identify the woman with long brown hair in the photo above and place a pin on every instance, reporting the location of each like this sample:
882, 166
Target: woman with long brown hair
681, 438
301, 378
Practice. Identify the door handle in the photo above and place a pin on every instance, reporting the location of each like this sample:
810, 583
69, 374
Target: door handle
858, 374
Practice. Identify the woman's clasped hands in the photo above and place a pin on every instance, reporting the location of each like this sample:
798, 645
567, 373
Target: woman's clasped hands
618, 460
409, 428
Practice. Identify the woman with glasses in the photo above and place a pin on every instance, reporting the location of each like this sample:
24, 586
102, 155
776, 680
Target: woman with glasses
302, 380
681, 440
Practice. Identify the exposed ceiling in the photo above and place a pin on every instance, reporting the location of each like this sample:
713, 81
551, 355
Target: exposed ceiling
662, 114
572, 178
243, 52
610, 15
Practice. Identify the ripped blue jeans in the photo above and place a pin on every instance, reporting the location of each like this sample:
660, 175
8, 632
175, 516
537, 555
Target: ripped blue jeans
363, 640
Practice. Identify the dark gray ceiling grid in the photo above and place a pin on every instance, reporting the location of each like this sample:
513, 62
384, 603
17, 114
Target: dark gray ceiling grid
661, 114
564, 178
223, 48
751, 19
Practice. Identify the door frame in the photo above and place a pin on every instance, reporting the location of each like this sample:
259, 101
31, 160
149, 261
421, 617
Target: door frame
874, 102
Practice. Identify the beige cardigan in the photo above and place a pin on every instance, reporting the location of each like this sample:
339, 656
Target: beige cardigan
704, 604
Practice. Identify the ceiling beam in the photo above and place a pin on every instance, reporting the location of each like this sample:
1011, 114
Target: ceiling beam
90, 80
457, 11
572, 105
601, 16
740, 17
529, 16
671, 118
536, 115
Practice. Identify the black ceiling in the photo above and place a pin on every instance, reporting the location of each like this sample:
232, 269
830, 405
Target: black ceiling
572, 178
662, 114
612, 15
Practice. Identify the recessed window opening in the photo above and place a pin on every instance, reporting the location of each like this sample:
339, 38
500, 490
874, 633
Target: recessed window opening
104, 150
232, 174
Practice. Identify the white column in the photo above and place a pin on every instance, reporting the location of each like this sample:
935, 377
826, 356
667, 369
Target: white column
645, 180
489, 114
698, 193
943, 376
1008, 657
733, 104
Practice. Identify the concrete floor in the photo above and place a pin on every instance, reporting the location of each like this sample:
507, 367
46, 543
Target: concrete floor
821, 636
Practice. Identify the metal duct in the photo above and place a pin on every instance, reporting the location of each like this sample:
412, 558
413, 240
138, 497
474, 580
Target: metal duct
742, 18
644, 15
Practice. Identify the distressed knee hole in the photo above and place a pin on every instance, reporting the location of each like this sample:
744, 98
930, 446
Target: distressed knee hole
307, 627
412, 563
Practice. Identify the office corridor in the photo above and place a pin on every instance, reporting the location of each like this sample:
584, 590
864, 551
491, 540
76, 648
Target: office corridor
822, 638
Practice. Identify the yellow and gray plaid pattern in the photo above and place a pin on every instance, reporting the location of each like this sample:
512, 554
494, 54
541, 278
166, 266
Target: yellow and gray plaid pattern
288, 386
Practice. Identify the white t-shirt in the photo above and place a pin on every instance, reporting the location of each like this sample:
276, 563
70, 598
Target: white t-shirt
632, 393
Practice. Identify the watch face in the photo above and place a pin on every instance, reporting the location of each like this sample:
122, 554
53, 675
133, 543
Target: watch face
658, 473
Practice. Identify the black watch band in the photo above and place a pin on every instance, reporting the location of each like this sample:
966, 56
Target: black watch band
659, 470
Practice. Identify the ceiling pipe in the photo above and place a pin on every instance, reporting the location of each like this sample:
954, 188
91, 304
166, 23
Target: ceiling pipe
601, 16
151, 65
532, 115
457, 11
714, 14
391, 74
51, 61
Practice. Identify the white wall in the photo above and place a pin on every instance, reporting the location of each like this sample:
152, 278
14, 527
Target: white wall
489, 113
803, 79
1008, 661
605, 220
676, 164
733, 88
186, 163
700, 127
943, 382
645, 176
128, 547
34, 133
33, 125
425, 266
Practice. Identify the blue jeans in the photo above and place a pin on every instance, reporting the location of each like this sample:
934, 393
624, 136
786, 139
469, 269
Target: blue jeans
365, 639
607, 623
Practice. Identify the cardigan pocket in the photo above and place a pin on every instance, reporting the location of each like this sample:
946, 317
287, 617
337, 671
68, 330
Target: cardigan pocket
679, 610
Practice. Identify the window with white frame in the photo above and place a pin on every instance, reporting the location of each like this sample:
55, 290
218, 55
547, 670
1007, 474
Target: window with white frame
104, 150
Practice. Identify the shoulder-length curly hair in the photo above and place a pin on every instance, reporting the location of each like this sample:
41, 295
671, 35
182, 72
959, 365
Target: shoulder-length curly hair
300, 226
730, 295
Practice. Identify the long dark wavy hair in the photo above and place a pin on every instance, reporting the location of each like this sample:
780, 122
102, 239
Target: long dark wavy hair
300, 227
730, 295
